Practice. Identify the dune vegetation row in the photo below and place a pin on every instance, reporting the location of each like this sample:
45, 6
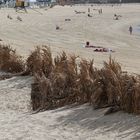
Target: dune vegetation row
67, 79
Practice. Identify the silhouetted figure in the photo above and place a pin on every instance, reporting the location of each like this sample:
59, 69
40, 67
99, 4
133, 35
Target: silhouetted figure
130, 30
89, 15
88, 10
87, 44
100, 11
57, 27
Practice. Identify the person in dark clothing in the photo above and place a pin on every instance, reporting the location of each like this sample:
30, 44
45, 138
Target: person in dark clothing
130, 30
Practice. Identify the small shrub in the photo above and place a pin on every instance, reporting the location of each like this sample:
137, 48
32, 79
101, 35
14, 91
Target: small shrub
9, 60
40, 61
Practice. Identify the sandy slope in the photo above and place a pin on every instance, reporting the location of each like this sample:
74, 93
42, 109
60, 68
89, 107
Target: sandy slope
100, 30
77, 123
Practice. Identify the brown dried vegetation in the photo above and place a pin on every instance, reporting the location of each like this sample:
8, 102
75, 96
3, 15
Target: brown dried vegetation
40, 61
9, 60
63, 81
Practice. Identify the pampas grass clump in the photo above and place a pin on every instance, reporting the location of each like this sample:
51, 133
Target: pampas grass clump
57, 85
40, 61
62, 81
113, 87
9, 60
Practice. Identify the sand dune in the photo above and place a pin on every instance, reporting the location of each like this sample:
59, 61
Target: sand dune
78, 123
68, 123
101, 30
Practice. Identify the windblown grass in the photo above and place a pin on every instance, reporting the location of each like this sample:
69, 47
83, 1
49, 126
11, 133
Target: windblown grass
57, 87
9, 60
62, 81
40, 61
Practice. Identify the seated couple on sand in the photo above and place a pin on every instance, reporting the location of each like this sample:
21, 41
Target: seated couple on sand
103, 50
116, 17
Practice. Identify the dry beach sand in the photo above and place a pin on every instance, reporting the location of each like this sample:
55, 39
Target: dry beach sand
100, 30
78, 123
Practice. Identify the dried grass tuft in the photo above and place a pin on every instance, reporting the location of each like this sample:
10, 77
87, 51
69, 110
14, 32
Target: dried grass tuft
63, 81
40, 61
9, 60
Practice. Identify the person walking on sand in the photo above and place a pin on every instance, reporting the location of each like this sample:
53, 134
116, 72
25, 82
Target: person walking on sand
101, 11
88, 10
130, 30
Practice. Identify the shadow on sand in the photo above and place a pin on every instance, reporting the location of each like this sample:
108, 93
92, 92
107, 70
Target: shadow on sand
126, 125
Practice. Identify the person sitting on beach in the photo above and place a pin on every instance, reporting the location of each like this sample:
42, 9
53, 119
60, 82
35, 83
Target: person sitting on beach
67, 19
116, 17
130, 30
103, 50
87, 44
57, 27
89, 15
90, 46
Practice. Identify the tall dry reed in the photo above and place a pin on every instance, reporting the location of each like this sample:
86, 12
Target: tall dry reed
9, 60
63, 81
